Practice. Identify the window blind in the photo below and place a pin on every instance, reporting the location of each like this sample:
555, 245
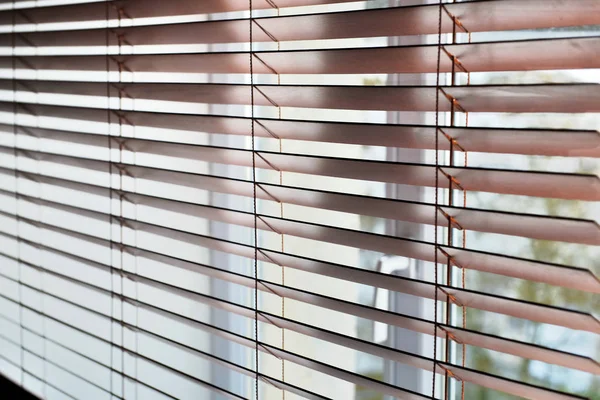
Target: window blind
197, 197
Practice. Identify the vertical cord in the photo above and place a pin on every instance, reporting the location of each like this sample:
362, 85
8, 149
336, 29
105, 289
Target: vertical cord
437, 178
121, 254
135, 264
16, 154
110, 195
450, 232
121, 222
464, 245
44, 351
256, 365
42, 280
282, 235
43, 293
121, 229
282, 281
463, 279
43, 309
137, 308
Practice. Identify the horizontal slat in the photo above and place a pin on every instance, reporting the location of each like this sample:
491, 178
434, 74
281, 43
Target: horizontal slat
226, 393
567, 143
562, 317
130, 351
84, 383
404, 285
476, 16
389, 282
133, 9
487, 262
298, 359
515, 224
525, 183
229, 336
330, 370
232, 366
371, 278
30, 373
273, 381
359, 345
480, 99
48, 361
527, 55
526, 225
512, 387
138, 329
509, 386
549, 98
65, 345
381, 243
554, 274
469, 298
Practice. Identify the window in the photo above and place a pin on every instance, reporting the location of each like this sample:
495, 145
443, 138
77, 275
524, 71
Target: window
268, 198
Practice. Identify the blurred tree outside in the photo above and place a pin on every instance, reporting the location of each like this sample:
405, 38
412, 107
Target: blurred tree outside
490, 362
553, 252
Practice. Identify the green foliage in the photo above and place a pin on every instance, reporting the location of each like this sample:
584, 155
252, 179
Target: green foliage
377, 3
553, 252
363, 393
539, 293
372, 82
